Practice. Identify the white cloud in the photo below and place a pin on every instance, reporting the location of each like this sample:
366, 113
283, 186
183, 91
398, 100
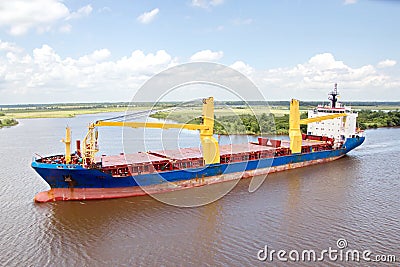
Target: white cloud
65, 28
19, 16
216, 2
386, 63
306, 80
82, 12
325, 61
242, 67
148, 17
45, 76
6, 46
206, 3
93, 58
350, 2
207, 55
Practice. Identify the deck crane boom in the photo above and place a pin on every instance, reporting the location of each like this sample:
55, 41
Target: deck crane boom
210, 147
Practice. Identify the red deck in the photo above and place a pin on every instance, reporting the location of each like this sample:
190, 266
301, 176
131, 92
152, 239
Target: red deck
184, 158
136, 158
179, 154
243, 148
195, 154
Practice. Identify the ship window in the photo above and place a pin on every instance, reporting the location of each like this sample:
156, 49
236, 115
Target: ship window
146, 168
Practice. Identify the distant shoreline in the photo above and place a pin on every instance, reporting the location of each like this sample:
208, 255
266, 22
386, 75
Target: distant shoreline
370, 117
62, 113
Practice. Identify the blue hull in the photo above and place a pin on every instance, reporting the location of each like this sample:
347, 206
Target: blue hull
75, 176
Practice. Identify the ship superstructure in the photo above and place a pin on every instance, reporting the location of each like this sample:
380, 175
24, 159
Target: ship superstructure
338, 128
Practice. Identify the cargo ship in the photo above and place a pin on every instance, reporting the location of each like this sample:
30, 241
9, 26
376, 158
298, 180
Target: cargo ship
331, 133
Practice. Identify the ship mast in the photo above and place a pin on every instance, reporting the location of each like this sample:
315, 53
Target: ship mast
333, 96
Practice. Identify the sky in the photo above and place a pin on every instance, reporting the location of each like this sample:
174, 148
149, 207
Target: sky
55, 51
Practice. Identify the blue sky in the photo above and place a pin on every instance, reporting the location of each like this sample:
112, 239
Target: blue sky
87, 51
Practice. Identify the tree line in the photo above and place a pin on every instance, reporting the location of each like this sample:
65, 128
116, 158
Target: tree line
269, 124
375, 119
239, 124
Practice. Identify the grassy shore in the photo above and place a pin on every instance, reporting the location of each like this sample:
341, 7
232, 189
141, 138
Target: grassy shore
62, 113
6, 121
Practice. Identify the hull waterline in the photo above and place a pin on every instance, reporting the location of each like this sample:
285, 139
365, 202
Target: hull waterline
79, 194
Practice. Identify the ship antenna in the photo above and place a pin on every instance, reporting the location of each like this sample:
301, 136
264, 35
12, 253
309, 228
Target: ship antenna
333, 96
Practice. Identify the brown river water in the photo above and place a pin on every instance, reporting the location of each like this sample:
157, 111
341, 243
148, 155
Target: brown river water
356, 198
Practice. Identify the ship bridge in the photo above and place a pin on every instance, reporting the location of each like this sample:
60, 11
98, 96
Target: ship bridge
337, 128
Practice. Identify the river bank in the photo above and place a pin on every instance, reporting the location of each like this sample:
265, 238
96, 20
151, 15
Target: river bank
234, 120
7, 122
61, 113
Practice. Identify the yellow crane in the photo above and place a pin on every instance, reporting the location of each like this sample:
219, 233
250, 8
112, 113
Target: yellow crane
210, 147
295, 121
67, 142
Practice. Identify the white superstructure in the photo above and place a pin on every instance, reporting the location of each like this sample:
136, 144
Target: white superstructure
338, 128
